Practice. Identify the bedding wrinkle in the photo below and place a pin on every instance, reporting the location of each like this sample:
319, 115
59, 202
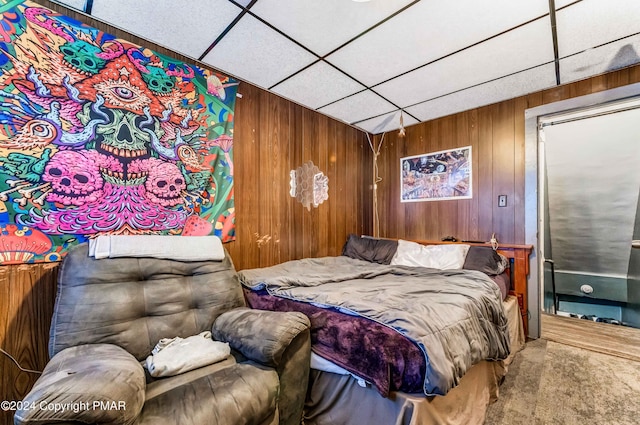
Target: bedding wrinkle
356, 344
455, 317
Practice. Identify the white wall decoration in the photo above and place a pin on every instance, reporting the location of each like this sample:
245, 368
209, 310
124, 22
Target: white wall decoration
309, 185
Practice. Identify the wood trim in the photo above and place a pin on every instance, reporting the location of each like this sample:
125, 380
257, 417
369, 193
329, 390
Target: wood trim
519, 257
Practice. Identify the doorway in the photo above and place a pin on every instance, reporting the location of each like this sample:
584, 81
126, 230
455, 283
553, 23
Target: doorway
589, 186
534, 209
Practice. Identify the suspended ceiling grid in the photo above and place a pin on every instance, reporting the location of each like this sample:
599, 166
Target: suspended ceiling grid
364, 62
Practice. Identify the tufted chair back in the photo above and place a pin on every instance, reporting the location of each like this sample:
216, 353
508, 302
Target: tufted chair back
134, 302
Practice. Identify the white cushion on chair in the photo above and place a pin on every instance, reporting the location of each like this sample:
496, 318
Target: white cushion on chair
179, 248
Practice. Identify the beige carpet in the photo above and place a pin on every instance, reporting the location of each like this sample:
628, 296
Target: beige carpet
551, 383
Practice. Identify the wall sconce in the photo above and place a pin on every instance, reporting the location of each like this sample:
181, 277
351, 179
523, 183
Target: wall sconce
309, 185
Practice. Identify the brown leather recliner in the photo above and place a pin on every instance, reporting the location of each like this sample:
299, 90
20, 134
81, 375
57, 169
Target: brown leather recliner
109, 315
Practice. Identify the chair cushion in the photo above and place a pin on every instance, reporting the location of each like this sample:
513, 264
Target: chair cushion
262, 336
98, 383
243, 393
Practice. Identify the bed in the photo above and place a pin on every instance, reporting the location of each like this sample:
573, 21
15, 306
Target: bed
403, 332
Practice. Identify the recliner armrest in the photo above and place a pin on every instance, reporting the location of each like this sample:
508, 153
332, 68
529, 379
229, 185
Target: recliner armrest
260, 335
94, 383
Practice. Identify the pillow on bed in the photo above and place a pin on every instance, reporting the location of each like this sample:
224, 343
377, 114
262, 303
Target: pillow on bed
448, 256
503, 282
370, 249
486, 260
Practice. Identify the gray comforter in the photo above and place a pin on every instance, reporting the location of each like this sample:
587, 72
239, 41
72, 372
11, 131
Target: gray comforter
455, 316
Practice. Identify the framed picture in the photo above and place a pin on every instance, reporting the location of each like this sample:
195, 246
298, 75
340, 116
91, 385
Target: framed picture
436, 176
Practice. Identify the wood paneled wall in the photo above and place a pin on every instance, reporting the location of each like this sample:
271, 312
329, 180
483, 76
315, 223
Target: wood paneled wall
496, 134
273, 136
27, 294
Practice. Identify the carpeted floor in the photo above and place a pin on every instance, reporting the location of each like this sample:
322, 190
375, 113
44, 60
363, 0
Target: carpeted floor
550, 383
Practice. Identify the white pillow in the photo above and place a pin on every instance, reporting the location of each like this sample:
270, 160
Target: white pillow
444, 257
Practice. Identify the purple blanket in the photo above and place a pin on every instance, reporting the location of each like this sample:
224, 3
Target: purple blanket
375, 352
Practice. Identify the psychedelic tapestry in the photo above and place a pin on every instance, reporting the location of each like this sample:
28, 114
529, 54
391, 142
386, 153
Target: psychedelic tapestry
101, 136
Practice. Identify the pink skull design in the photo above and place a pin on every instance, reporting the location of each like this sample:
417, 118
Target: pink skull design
165, 184
75, 178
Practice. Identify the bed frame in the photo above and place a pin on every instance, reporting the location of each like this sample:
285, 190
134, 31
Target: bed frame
518, 256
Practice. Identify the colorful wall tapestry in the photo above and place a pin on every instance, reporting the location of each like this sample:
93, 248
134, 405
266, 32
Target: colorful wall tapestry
101, 136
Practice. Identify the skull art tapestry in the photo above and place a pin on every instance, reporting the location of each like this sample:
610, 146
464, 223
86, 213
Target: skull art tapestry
102, 136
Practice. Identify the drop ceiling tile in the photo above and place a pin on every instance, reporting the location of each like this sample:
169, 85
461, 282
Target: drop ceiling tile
603, 59
430, 30
384, 123
515, 85
76, 4
592, 23
358, 107
318, 85
559, 4
254, 52
188, 27
244, 3
308, 21
525, 47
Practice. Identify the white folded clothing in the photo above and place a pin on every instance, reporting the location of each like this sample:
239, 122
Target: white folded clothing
172, 356
180, 248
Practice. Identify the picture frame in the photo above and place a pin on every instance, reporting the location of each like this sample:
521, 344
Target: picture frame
437, 176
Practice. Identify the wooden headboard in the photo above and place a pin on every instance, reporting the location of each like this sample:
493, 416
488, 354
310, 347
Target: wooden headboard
518, 256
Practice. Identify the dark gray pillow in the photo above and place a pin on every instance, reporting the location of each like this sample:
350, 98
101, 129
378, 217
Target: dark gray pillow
370, 249
503, 282
486, 260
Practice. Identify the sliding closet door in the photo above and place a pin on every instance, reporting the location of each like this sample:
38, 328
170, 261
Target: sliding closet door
592, 170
